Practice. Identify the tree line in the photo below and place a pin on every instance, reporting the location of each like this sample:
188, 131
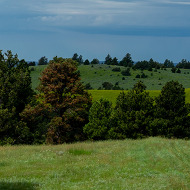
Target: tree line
126, 62
63, 111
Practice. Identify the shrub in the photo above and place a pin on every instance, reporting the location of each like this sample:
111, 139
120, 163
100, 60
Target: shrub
126, 72
107, 85
116, 69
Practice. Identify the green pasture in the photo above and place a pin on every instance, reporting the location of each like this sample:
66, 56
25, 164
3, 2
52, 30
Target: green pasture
98, 74
152, 163
112, 95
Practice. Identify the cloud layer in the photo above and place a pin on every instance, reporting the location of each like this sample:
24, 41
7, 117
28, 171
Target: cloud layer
122, 19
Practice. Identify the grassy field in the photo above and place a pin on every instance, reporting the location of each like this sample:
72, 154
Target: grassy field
98, 74
111, 95
152, 163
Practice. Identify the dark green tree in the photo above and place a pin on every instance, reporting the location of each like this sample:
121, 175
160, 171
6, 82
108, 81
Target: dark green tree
99, 120
95, 61
173, 110
127, 61
168, 64
133, 113
86, 62
115, 61
15, 93
75, 57
108, 60
43, 61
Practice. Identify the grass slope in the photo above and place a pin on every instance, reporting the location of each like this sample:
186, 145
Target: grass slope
152, 163
98, 74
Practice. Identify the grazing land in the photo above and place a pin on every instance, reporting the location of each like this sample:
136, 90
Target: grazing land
153, 163
112, 95
100, 73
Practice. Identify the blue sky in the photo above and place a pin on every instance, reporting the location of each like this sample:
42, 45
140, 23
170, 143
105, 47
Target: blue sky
93, 28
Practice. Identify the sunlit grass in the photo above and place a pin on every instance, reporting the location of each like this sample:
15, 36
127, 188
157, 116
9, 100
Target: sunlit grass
152, 163
112, 95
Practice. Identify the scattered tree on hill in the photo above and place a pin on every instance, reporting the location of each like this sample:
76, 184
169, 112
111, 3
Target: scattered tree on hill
127, 61
115, 61
43, 61
77, 58
86, 62
95, 61
32, 63
108, 60
168, 64
183, 64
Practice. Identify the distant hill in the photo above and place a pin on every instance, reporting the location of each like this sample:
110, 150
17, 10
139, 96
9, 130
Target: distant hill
97, 74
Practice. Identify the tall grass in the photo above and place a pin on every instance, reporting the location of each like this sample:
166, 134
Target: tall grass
152, 163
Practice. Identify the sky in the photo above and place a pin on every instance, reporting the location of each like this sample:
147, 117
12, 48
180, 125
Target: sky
94, 28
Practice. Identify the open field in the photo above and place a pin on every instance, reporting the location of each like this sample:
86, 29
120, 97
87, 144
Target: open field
98, 74
111, 95
152, 163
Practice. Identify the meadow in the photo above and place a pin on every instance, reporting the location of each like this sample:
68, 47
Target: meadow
152, 163
100, 73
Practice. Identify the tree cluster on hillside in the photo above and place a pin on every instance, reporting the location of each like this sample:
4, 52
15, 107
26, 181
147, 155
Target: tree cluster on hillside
137, 115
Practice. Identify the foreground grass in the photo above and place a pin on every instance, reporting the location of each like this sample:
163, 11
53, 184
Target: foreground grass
152, 163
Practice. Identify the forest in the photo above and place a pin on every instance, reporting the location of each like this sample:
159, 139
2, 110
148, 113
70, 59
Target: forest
62, 110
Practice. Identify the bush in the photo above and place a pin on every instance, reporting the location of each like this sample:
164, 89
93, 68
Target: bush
116, 69
126, 72
107, 85
88, 86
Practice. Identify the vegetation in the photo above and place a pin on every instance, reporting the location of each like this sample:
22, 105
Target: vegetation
15, 93
43, 61
62, 101
60, 111
100, 73
153, 163
136, 115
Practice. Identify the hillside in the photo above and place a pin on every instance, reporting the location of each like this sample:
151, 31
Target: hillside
152, 163
98, 74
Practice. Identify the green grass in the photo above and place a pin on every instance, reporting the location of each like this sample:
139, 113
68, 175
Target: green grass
98, 74
111, 95
36, 74
152, 163
155, 81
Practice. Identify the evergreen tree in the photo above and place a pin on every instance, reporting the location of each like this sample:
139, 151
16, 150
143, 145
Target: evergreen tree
15, 93
127, 61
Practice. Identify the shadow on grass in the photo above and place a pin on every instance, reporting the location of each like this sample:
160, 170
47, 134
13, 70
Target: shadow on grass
18, 186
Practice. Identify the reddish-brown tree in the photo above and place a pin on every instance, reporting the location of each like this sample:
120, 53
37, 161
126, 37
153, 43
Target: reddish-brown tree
67, 100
